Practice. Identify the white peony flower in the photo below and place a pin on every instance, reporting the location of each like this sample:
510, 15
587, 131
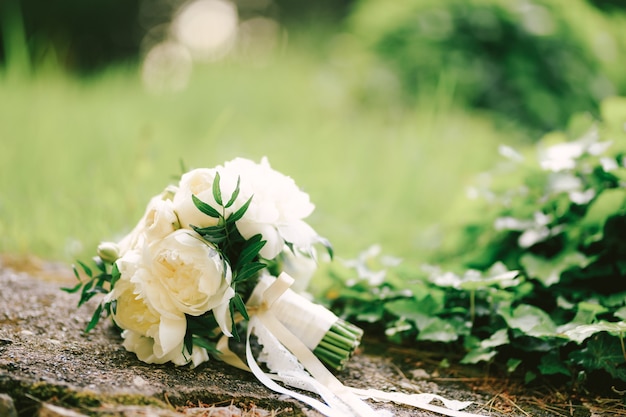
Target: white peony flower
144, 348
198, 182
181, 274
276, 211
158, 221
132, 313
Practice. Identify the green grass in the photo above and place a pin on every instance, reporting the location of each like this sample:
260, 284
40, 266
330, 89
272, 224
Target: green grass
82, 157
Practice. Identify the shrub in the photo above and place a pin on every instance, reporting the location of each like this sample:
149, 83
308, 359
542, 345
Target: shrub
536, 277
534, 61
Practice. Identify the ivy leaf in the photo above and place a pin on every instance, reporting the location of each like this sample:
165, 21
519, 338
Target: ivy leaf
548, 271
531, 320
438, 330
205, 208
580, 333
603, 352
479, 355
411, 309
551, 364
499, 338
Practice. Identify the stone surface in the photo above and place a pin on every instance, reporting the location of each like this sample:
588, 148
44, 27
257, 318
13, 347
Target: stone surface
46, 358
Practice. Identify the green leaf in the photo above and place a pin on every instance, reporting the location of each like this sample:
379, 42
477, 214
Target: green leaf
512, 364
531, 320
548, 271
413, 309
239, 213
95, 318
551, 364
580, 333
86, 269
609, 203
251, 250
235, 194
231, 309
188, 341
205, 208
217, 192
438, 330
499, 338
247, 271
115, 275
602, 352
205, 343
621, 313
240, 306
478, 355
72, 289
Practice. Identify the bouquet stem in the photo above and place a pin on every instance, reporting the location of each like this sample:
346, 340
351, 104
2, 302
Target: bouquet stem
338, 344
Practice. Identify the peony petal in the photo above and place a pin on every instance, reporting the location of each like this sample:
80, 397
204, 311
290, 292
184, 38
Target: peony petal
171, 334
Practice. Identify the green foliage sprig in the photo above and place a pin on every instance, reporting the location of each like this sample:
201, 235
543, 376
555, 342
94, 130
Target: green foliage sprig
241, 255
101, 282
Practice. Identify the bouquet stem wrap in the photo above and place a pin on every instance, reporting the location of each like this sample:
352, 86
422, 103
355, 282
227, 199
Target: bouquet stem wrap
338, 400
332, 339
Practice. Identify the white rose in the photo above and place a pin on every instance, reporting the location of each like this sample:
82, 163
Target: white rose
158, 221
198, 182
183, 274
144, 348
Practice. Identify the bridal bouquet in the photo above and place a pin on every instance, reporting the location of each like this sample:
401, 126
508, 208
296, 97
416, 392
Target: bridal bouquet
227, 251
184, 276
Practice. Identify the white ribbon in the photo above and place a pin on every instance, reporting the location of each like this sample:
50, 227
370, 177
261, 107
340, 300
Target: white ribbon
338, 399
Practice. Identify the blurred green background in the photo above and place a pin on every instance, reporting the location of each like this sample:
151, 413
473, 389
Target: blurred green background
382, 111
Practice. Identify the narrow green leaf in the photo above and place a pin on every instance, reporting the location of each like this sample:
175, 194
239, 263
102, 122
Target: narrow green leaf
203, 342
240, 306
231, 308
217, 192
94, 319
239, 213
100, 264
188, 341
72, 289
329, 248
247, 271
76, 274
205, 208
252, 249
86, 269
115, 275
235, 194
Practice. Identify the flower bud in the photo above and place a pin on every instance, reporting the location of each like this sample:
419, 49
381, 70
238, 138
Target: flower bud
108, 252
